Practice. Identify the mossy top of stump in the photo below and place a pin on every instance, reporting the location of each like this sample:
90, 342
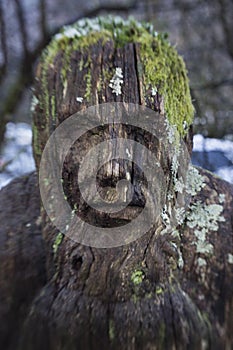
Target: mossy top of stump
162, 78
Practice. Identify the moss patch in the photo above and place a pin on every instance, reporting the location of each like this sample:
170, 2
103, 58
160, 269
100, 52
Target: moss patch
58, 240
111, 330
137, 277
36, 148
163, 69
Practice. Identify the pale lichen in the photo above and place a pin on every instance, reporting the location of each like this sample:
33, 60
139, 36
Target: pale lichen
34, 103
172, 132
165, 216
179, 185
154, 91
194, 181
175, 164
201, 262
79, 99
65, 85
180, 215
230, 258
200, 217
221, 198
204, 218
201, 268
116, 81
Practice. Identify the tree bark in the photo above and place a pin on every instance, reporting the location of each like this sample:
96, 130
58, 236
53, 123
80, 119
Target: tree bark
71, 311
168, 289
22, 258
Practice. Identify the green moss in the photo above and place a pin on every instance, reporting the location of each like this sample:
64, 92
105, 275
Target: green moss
162, 333
44, 98
159, 290
137, 277
135, 298
111, 330
88, 86
161, 67
92, 38
166, 70
57, 242
107, 76
81, 65
36, 148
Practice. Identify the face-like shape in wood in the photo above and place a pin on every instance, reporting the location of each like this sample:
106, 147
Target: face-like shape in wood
107, 173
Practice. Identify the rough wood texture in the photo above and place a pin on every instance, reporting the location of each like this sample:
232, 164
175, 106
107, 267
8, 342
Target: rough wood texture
22, 258
138, 296
92, 302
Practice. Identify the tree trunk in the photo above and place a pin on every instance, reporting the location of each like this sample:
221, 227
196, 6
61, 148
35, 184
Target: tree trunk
171, 288
22, 257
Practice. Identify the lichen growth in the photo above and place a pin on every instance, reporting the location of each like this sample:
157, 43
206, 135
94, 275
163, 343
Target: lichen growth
230, 258
222, 197
192, 184
137, 277
194, 181
201, 262
198, 216
163, 69
201, 268
116, 81
204, 218
34, 103
79, 99
165, 216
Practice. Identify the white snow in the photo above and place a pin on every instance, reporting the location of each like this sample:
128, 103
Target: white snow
16, 156
201, 144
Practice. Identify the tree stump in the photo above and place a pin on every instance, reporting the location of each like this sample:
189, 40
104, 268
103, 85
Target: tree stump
172, 287
22, 257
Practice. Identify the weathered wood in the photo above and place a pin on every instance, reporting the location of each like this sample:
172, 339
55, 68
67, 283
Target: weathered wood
22, 258
170, 289
208, 289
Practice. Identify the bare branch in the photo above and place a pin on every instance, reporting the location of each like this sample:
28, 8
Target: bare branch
227, 25
43, 22
25, 75
3, 43
22, 26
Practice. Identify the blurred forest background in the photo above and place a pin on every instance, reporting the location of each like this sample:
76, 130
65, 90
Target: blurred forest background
201, 30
